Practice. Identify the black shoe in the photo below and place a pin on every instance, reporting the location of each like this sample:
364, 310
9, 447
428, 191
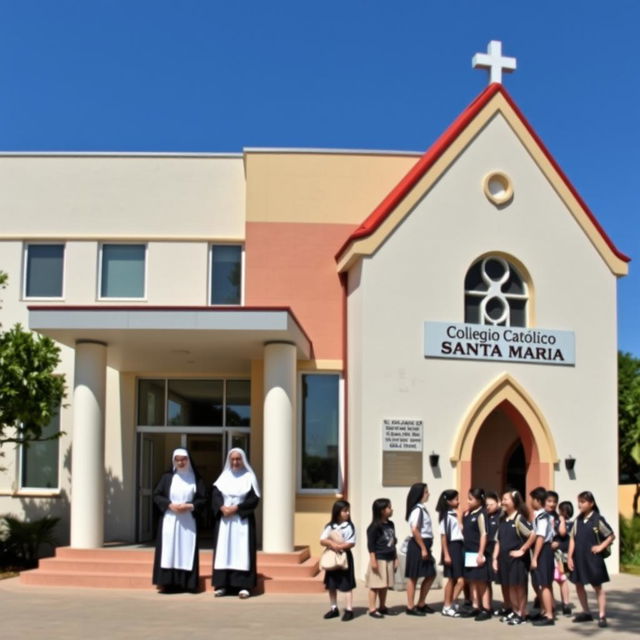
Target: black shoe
483, 615
415, 612
535, 617
582, 617
501, 612
376, 614
545, 622
332, 613
426, 609
385, 611
515, 620
566, 610
347, 615
468, 612
602, 623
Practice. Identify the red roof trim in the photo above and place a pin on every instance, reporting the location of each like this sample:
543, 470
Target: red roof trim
401, 190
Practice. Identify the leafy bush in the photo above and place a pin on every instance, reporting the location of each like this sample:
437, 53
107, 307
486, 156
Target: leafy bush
630, 540
21, 542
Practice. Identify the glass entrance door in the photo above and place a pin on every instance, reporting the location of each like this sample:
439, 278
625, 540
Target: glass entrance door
208, 452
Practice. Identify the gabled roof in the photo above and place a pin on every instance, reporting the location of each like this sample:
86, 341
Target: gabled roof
389, 213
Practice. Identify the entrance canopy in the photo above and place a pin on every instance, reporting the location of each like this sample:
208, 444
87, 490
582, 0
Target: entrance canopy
189, 339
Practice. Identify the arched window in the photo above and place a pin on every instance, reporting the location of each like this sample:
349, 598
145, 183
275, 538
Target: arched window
495, 294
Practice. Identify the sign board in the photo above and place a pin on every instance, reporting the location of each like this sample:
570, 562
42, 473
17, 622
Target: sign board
402, 443
401, 435
507, 344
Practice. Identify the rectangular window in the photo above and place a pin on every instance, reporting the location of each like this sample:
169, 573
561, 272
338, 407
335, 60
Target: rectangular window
40, 459
44, 271
122, 271
226, 274
320, 431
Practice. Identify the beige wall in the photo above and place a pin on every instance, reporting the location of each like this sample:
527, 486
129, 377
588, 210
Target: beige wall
340, 187
418, 274
122, 196
626, 494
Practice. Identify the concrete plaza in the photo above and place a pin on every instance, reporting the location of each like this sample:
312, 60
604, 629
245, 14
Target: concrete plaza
70, 613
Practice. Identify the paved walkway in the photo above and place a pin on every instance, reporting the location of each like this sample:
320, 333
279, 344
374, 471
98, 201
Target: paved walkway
45, 612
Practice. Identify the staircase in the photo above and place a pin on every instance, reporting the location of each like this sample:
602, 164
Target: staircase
131, 568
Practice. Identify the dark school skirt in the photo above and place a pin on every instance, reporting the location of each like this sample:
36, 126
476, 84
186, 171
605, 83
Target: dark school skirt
480, 574
542, 576
341, 579
454, 570
513, 572
415, 565
589, 568
488, 554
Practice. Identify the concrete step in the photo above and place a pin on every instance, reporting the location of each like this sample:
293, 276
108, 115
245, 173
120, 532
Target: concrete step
110, 568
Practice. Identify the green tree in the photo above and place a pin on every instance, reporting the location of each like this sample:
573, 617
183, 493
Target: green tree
629, 420
30, 390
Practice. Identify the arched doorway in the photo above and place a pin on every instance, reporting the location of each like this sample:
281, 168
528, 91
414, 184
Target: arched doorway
504, 435
515, 469
499, 459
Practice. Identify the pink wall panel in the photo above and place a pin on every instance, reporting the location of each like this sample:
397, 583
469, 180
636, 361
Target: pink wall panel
292, 264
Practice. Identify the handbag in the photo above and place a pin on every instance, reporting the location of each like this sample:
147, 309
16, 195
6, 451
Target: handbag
331, 560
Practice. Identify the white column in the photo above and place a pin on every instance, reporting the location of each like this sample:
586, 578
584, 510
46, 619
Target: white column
87, 459
279, 462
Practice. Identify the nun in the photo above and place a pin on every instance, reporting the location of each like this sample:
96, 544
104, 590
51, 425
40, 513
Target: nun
234, 500
179, 495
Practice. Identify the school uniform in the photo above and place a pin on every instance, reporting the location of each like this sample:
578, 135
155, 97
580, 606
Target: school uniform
341, 579
493, 520
513, 532
474, 526
450, 527
381, 540
589, 568
416, 566
542, 576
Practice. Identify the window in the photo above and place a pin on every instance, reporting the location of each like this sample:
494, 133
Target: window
495, 294
44, 265
194, 403
320, 426
226, 274
122, 271
40, 459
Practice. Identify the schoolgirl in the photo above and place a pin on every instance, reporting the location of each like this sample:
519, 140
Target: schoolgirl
493, 511
419, 563
542, 563
452, 554
383, 559
514, 539
340, 535
590, 539
476, 572
561, 544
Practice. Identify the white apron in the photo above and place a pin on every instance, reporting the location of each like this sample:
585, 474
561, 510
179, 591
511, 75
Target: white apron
232, 548
179, 529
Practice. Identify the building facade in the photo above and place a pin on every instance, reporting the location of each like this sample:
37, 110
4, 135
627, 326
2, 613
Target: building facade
358, 321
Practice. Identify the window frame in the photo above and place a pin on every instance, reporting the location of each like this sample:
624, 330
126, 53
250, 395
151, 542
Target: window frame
24, 490
210, 273
99, 295
25, 268
527, 296
209, 429
341, 435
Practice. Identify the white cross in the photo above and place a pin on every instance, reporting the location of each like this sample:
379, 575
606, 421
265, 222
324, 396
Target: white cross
494, 61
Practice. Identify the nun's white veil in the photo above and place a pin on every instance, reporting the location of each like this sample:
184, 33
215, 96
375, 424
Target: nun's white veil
232, 482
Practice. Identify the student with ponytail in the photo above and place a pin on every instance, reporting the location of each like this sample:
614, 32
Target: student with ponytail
452, 554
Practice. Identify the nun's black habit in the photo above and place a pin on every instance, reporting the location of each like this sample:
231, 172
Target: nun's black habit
234, 537
176, 560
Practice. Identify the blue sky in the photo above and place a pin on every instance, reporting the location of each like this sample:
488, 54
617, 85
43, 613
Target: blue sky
194, 75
